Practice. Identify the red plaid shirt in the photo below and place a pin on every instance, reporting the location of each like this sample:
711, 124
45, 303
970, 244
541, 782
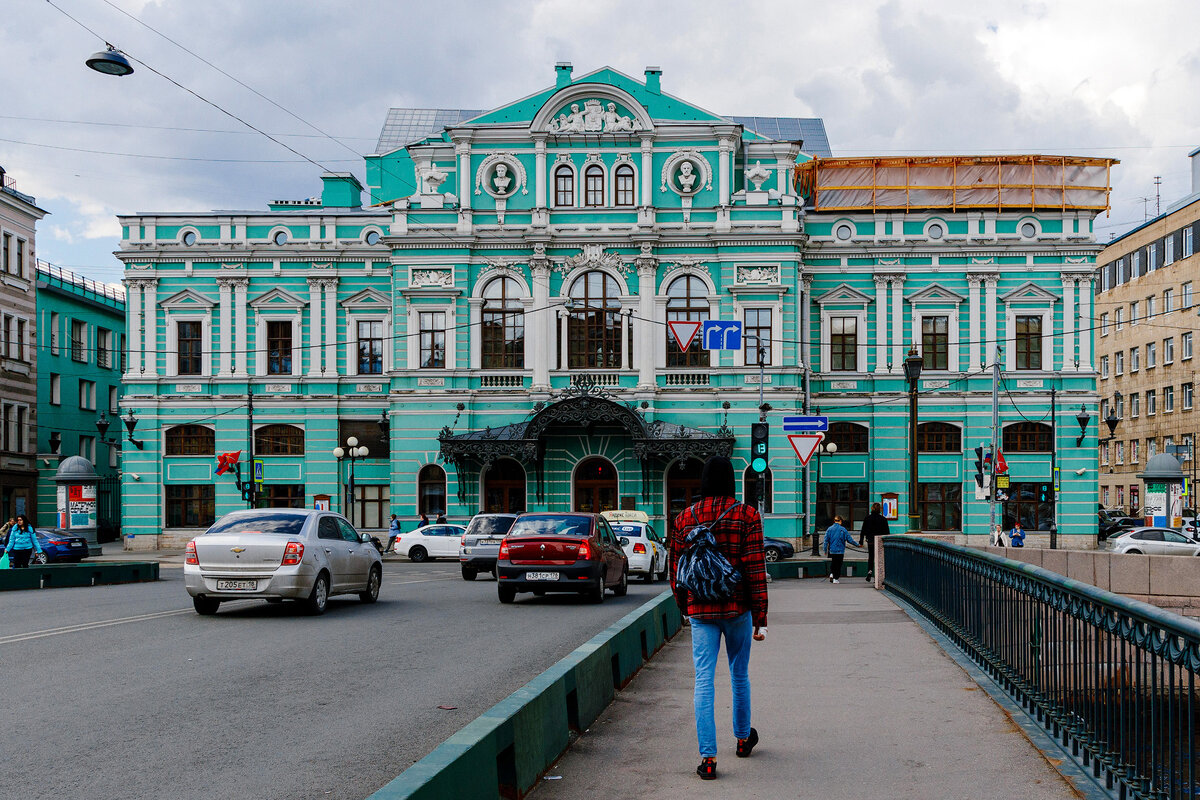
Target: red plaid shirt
739, 536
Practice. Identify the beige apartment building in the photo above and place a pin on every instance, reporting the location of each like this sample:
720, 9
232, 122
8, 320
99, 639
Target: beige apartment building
1145, 330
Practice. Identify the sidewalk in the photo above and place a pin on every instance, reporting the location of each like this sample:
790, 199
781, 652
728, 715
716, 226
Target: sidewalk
852, 699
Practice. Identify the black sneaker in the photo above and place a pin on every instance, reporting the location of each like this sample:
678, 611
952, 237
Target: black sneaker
746, 746
707, 769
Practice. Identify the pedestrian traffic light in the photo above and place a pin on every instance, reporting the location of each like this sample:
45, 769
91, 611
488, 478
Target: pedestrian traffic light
1044, 493
760, 433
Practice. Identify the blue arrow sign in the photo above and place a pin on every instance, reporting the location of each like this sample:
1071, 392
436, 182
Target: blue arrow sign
722, 334
805, 424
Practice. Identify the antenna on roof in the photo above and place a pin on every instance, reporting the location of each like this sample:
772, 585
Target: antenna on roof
1157, 195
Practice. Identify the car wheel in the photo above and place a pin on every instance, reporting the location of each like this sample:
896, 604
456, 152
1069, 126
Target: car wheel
772, 554
469, 574
650, 575
495, 577
597, 595
371, 593
622, 588
206, 605
317, 599
39, 558
418, 554
1134, 552
507, 594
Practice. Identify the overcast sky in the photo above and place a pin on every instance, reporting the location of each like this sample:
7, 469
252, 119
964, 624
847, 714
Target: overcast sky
901, 77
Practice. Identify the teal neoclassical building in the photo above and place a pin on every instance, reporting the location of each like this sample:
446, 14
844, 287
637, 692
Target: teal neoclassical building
494, 326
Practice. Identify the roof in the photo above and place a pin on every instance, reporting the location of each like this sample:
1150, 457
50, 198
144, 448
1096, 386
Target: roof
1178, 205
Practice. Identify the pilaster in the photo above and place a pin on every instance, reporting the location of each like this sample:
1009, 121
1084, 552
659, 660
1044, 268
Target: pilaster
316, 340
1070, 361
240, 339
225, 291
991, 339
897, 319
329, 285
541, 352
974, 360
1085, 314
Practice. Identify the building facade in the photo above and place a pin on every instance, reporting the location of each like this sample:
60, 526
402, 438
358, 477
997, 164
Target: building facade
18, 361
505, 326
80, 347
1145, 329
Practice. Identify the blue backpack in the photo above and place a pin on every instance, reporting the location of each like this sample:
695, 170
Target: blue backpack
702, 568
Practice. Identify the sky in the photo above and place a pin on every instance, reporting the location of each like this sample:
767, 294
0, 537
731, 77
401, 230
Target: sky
1098, 78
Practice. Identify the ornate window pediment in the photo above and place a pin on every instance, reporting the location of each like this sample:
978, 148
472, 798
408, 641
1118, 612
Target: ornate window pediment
936, 293
277, 299
368, 300
1029, 292
844, 294
187, 300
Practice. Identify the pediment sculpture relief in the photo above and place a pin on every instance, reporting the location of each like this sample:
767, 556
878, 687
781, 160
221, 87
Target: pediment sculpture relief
594, 117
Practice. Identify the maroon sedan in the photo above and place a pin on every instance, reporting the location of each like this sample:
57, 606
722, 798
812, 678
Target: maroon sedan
561, 552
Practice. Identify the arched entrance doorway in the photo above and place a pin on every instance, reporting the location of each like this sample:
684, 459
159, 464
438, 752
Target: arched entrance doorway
596, 485
683, 487
503, 488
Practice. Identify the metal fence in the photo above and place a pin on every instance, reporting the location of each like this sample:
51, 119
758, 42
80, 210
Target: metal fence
1113, 679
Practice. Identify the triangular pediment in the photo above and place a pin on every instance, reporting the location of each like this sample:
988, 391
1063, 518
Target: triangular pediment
1029, 292
936, 293
845, 294
368, 299
187, 299
277, 298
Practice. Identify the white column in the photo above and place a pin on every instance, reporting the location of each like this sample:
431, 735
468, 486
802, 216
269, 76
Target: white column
897, 320
990, 336
133, 339
1087, 332
805, 317
726, 149
974, 359
330, 286
474, 339
801, 301
564, 349
542, 328
783, 170
150, 317
226, 358
315, 340
643, 335
240, 339
539, 175
626, 353
881, 324
463, 149
1069, 361
647, 173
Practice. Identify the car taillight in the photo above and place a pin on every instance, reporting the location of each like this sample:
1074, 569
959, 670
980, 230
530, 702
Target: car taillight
58, 541
189, 553
292, 554
503, 549
463, 541
639, 548
584, 553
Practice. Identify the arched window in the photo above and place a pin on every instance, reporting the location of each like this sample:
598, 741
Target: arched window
504, 487
431, 490
594, 325
1027, 437
750, 490
938, 437
502, 334
191, 440
279, 440
564, 186
849, 437
624, 186
593, 186
596, 486
687, 301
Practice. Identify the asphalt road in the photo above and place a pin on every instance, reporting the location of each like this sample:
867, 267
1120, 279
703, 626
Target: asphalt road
125, 692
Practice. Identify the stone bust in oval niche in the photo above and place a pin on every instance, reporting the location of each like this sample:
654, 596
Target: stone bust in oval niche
686, 177
500, 179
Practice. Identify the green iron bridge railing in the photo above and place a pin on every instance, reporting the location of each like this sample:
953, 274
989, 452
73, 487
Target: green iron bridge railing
1114, 680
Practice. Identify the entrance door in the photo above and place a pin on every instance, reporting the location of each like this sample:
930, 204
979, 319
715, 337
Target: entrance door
596, 486
504, 488
683, 487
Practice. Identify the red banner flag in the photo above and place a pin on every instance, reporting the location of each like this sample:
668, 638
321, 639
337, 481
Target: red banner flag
227, 461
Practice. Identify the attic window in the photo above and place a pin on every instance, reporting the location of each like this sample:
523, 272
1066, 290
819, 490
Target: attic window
372, 238
843, 232
280, 237
1029, 230
189, 238
935, 231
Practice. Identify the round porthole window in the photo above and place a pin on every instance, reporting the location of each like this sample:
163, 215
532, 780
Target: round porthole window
843, 232
936, 231
372, 238
189, 238
280, 237
1029, 230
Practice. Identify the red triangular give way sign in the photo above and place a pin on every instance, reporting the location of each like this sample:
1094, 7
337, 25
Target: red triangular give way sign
805, 444
684, 333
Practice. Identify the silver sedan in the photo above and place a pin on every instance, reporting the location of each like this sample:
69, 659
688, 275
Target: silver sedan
280, 554
1151, 541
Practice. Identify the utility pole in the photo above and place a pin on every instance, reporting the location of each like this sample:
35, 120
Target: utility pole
995, 443
1054, 468
252, 496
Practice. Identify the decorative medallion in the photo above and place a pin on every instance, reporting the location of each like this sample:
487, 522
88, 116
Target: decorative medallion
593, 256
493, 176
763, 274
686, 173
436, 277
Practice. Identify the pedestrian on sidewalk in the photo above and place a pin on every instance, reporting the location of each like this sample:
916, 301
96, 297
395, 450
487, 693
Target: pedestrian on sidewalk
22, 541
6, 527
737, 529
874, 526
393, 533
1017, 535
423, 521
836, 539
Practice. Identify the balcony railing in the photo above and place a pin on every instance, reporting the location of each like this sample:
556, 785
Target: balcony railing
501, 381
686, 379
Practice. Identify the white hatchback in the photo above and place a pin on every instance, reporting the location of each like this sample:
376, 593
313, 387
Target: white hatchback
645, 549
432, 541
1151, 542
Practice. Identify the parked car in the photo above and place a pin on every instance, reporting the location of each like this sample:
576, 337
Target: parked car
60, 548
1115, 520
277, 554
646, 550
481, 542
431, 541
1151, 541
561, 552
777, 549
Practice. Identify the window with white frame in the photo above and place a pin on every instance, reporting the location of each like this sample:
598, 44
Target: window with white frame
1152, 256
1133, 451
6, 254
1119, 405
1168, 300
1137, 263
54, 324
1168, 399
55, 389
1104, 453
1187, 242
1103, 366
564, 186
1135, 405
1120, 454
1134, 316
1169, 350
757, 335
1151, 403
1169, 250
1119, 363
1135, 359
114, 399
79, 341
87, 395
432, 339
1104, 324
1187, 391
1185, 346
1118, 318
1150, 307
1185, 298
1151, 354
1151, 447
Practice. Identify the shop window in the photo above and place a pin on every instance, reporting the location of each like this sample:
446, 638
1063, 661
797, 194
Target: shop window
369, 434
190, 505
849, 437
431, 491
940, 506
279, 440
847, 500
281, 495
939, 437
190, 440
1032, 504
372, 505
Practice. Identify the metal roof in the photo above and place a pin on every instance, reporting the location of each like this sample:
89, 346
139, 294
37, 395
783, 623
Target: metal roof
790, 129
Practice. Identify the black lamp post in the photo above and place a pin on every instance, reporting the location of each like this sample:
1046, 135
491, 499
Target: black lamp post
912, 373
55, 441
1083, 419
130, 423
352, 452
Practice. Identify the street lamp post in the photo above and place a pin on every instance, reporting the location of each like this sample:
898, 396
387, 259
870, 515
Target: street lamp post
912, 373
828, 448
353, 452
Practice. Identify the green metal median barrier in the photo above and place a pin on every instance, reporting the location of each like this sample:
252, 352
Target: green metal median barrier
56, 576
504, 752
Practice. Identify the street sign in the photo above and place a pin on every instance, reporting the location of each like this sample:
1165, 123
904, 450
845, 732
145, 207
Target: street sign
684, 333
722, 334
805, 444
805, 424
1002, 482
258, 470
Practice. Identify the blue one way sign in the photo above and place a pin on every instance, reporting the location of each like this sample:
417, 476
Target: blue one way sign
805, 424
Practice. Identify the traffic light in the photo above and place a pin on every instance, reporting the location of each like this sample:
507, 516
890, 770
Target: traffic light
1044, 493
979, 467
760, 433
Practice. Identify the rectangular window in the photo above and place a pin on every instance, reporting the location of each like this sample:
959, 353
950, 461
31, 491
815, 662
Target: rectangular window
1187, 396
1120, 455
122, 352
55, 389
190, 506
1119, 318
54, 334
372, 505
87, 395
843, 344
22, 353
935, 342
370, 347
1169, 250
1185, 299
87, 448
1134, 315
1152, 256
1185, 346
6, 253
1104, 492
114, 456
1151, 448
940, 506
1029, 342
281, 495
1168, 300
564, 187
847, 500
1119, 407
1103, 366
1135, 406
1151, 403
114, 399
1137, 263
78, 340
1187, 441
1121, 496
103, 347
757, 329
1187, 241
1151, 354
1104, 279
6, 336
19, 267
624, 186
21, 435
1031, 504
593, 187
1169, 350
433, 339
369, 435
1104, 454
1119, 362
189, 347
1104, 324
1135, 359
1149, 308
1133, 451
279, 347
1168, 399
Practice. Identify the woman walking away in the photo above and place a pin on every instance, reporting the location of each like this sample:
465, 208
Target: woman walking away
874, 526
836, 539
22, 541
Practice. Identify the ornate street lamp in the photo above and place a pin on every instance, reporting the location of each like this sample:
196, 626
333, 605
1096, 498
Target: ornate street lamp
352, 452
1083, 419
130, 423
912, 373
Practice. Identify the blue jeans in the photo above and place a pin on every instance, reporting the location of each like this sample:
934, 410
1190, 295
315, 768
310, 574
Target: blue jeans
706, 643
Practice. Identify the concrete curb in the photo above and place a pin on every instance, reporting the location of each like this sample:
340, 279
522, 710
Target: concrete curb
55, 576
814, 568
506, 750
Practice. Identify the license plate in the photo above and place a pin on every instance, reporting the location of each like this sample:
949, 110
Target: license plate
487, 541
225, 586
541, 576
76, 544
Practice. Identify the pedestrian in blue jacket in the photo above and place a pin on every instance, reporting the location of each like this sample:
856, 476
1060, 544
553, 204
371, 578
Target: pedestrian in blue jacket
836, 539
22, 541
